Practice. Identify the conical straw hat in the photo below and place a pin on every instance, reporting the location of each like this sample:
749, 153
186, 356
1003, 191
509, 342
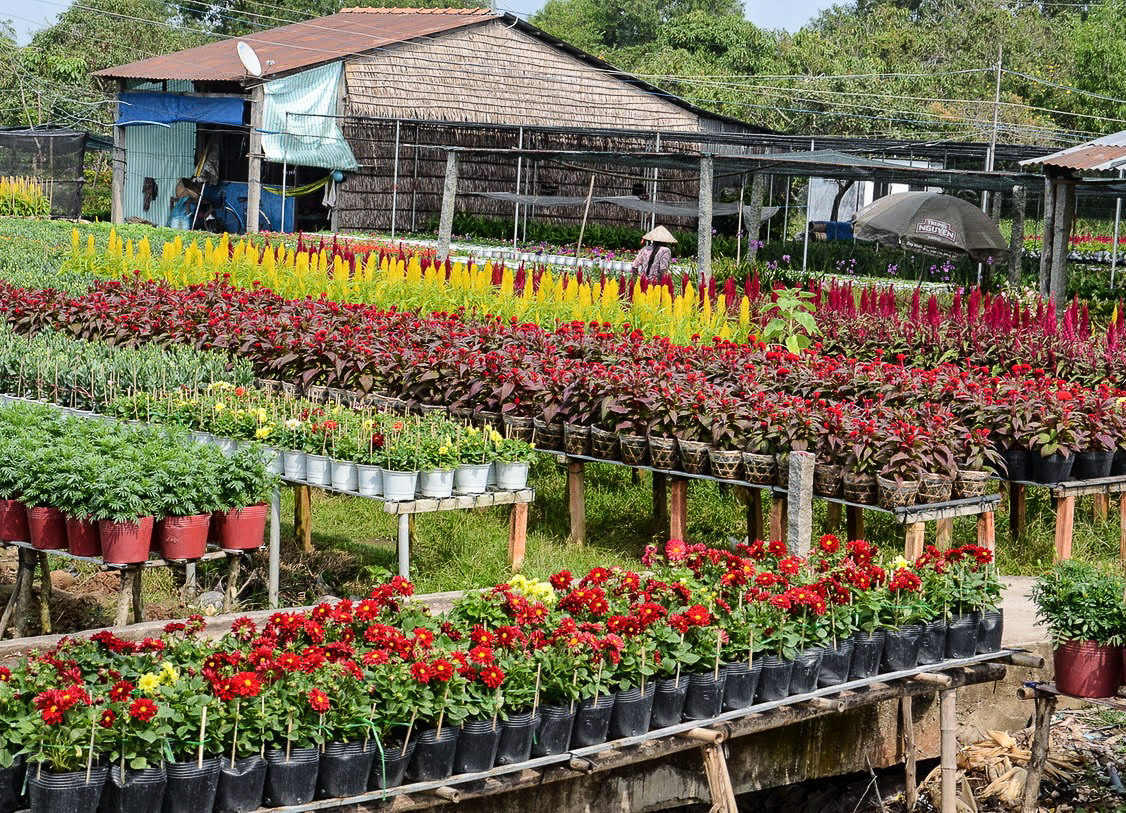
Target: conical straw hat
660, 235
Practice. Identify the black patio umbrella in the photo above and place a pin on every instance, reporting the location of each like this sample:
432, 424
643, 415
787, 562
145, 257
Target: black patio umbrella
932, 223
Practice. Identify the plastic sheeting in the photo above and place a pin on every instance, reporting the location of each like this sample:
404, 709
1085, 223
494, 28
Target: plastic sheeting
167, 108
631, 202
309, 135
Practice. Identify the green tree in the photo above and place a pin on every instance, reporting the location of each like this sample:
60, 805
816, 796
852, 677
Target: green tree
597, 25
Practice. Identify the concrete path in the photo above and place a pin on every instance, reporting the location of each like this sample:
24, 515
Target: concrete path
1021, 626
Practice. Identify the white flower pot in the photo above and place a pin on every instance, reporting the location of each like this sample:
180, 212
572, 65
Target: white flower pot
511, 476
274, 462
227, 446
318, 470
293, 465
399, 485
472, 478
492, 479
345, 477
437, 483
369, 480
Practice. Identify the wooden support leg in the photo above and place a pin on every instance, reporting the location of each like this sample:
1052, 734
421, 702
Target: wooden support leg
1065, 523
1101, 505
44, 594
948, 724
832, 517
660, 497
234, 565
678, 508
10, 610
943, 533
719, 780
1121, 535
854, 522
517, 535
915, 536
576, 500
303, 517
755, 528
779, 510
986, 530
138, 598
23, 595
1041, 735
124, 597
1018, 511
910, 775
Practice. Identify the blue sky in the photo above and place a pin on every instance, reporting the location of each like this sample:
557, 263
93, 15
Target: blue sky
28, 15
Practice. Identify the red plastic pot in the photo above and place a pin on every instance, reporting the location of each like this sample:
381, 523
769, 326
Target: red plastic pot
1087, 669
13, 521
126, 543
241, 528
82, 537
183, 537
46, 528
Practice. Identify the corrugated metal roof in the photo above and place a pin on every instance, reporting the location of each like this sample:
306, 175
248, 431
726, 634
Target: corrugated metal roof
302, 45
1101, 155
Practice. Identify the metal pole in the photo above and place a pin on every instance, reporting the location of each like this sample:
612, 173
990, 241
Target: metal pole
990, 153
586, 212
1114, 245
786, 212
275, 547
808, 198
516, 211
395, 182
739, 229
285, 171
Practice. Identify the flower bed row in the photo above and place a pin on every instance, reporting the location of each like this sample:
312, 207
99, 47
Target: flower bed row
119, 492
367, 694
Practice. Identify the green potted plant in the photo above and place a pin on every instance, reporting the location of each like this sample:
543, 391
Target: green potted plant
137, 729
244, 487
13, 513
512, 458
1056, 440
400, 462
1082, 606
474, 449
437, 463
38, 484
186, 487
121, 503
976, 457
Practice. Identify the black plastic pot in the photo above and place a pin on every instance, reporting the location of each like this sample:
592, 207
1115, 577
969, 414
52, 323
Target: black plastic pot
932, 643
390, 767
774, 682
434, 755
990, 626
867, 650
344, 769
133, 791
1052, 469
240, 785
1092, 465
961, 636
1118, 467
592, 722
668, 702
11, 786
1016, 464
633, 709
901, 648
516, 735
705, 694
807, 668
835, 663
554, 733
477, 746
50, 792
291, 781
191, 788
742, 683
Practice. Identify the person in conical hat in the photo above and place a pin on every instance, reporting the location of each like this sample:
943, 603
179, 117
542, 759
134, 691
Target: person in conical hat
655, 256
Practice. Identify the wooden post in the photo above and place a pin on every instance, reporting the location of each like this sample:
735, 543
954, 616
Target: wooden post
44, 594
799, 537
778, 512
23, 596
913, 545
943, 533
854, 522
117, 183
948, 746
517, 535
678, 508
303, 517
274, 580
124, 597
1018, 511
254, 160
1121, 534
449, 198
1016, 238
660, 497
1046, 230
234, 564
753, 221
752, 497
1065, 524
704, 219
986, 530
576, 501
12, 610
1065, 212
910, 774
1101, 505
832, 517
719, 780
138, 598
1041, 741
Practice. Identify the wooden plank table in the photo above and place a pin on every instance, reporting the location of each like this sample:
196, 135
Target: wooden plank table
1064, 496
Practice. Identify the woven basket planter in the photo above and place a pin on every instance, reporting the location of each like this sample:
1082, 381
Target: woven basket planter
547, 436
859, 488
603, 444
634, 449
576, 439
783, 461
694, 456
488, 420
971, 484
519, 427
894, 495
664, 453
828, 478
935, 488
727, 464
761, 469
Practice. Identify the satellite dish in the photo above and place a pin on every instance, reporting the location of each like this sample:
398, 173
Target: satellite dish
249, 59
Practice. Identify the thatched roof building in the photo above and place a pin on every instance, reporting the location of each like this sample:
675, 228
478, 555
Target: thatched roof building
373, 93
